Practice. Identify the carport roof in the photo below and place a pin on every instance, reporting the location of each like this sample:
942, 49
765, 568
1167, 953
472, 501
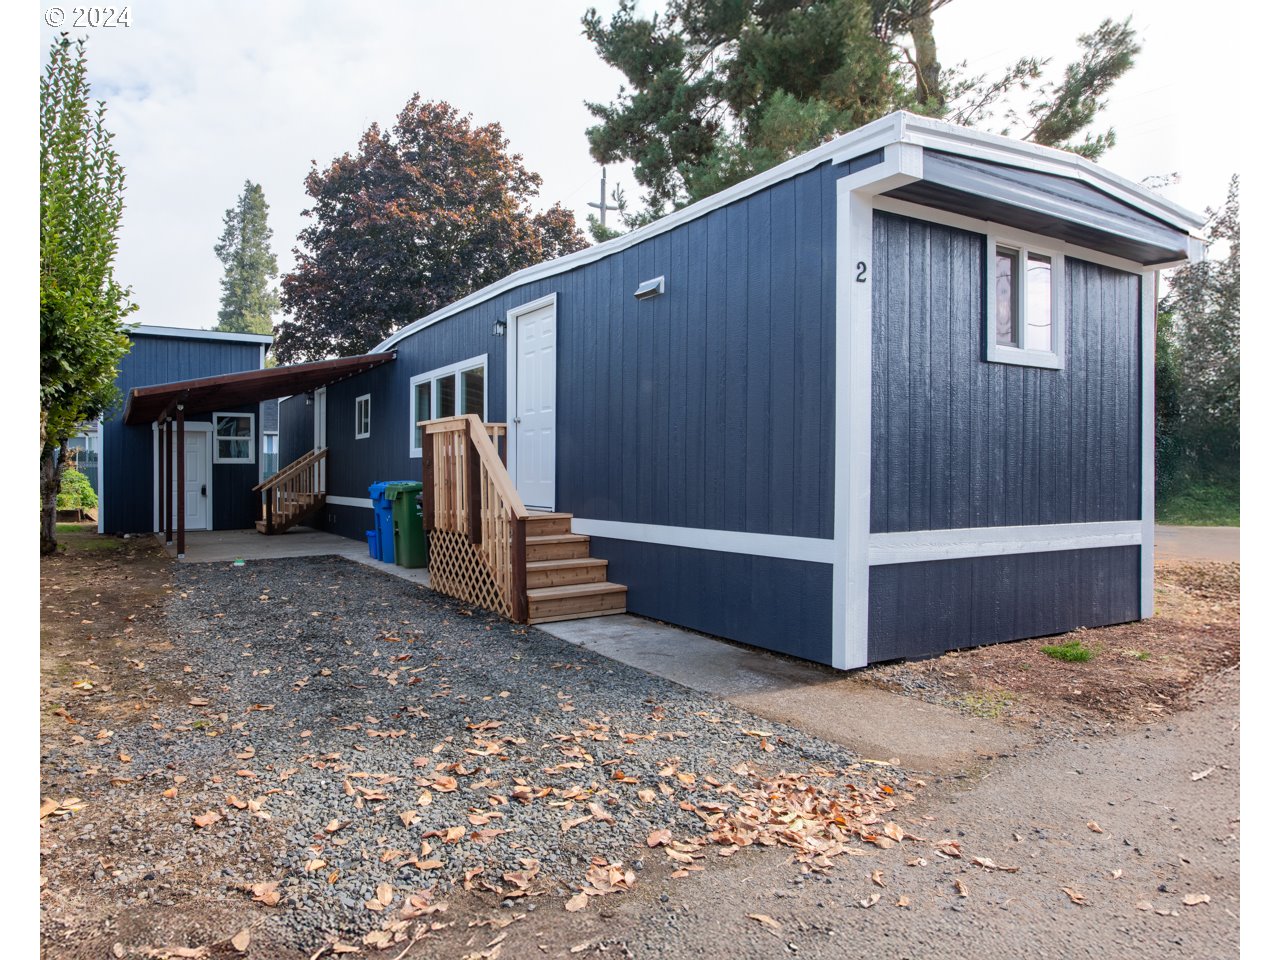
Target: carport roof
147, 404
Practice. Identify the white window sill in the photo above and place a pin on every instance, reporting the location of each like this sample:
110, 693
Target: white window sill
1045, 359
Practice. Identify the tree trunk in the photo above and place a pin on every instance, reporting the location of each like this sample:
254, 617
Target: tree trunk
53, 461
928, 70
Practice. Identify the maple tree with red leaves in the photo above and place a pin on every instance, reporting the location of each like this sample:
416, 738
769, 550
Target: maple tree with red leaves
417, 218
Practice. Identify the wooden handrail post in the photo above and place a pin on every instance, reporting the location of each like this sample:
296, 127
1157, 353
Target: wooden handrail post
519, 571
428, 482
473, 492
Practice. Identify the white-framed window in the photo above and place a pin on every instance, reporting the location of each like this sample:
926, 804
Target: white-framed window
1025, 316
233, 438
447, 392
364, 406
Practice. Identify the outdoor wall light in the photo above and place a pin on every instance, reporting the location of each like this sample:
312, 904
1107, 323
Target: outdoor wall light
651, 288
499, 327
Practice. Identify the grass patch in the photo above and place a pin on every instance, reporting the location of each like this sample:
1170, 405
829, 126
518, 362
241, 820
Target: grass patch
1138, 654
1073, 652
1201, 505
87, 527
985, 704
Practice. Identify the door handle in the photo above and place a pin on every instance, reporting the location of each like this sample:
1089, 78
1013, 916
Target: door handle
517, 420
203, 490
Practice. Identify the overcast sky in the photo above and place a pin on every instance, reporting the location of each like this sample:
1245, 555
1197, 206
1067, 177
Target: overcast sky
205, 95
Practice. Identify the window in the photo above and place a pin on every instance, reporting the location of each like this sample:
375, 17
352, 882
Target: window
363, 405
447, 392
233, 438
1024, 306
270, 453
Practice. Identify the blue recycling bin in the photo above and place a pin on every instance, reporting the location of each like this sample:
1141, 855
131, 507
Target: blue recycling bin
383, 522
372, 537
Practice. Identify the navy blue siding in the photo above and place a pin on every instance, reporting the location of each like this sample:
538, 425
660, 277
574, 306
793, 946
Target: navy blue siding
782, 605
128, 502
960, 442
921, 609
297, 428
711, 406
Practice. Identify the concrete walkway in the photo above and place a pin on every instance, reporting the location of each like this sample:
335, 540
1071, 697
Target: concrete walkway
227, 546
1221, 544
839, 707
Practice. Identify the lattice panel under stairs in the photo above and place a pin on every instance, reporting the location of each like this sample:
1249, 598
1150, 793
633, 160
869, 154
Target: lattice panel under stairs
457, 570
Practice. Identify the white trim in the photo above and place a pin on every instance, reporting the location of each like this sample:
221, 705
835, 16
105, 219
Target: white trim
252, 438
1051, 359
513, 357
923, 545
350, 501
194, 334
1009, 234
197, 426
368, 399
453, 369
1147, 606
897, 129
810, 549
850, 570
931, 134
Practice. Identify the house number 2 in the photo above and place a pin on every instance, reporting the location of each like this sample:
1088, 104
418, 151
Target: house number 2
861, 275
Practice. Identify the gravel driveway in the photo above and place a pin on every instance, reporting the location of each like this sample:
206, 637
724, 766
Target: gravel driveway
345, 741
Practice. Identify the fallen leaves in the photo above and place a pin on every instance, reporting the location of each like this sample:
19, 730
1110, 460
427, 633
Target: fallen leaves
1202, 774
207, 819
240, 942
765, 920
1195, 899
266, 893
1076, 898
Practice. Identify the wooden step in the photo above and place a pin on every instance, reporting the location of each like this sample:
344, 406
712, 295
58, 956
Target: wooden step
575, 601
547, 524
557, 546
559, 573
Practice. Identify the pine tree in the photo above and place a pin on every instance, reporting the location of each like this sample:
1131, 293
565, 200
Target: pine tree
248, 301
719, 90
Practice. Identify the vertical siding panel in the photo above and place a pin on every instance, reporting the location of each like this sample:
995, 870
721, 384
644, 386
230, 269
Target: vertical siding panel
719, 332
692, 480
921, 283
882, 313
810, 446
897, 375
961, 355
783, 488
671, 408
739, 374
758, 424
943, 310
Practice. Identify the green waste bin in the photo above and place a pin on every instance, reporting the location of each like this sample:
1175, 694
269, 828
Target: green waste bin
406, 518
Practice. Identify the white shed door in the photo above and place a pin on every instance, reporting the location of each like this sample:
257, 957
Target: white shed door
535, 420
196, 477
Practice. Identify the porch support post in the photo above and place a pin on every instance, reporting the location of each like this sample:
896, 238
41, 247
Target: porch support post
163, 446
473, 492
168, 480
182, 483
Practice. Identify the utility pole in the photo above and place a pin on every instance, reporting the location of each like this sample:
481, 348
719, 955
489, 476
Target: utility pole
603, 206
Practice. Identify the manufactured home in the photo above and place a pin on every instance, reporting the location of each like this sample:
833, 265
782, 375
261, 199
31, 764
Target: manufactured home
889, 398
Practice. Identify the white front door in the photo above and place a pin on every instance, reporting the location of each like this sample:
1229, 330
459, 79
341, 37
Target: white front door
321, 438
196, 480
535, 420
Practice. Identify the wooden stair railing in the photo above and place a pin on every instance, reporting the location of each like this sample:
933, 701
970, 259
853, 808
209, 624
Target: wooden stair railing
290, 494
486, 548
473, 516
